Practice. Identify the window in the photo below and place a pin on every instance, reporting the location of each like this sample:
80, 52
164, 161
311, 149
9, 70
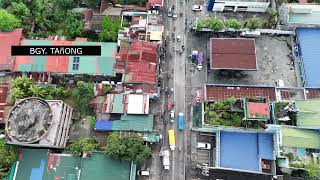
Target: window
75, 65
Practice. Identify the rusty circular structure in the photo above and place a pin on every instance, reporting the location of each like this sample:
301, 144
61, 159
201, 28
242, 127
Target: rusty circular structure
29, 120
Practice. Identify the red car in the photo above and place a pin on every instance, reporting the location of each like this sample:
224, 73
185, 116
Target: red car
170, 105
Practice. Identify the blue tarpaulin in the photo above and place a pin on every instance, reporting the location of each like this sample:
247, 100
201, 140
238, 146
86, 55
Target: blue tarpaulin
103, 125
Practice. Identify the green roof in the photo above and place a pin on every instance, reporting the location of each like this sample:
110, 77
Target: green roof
99, 166
117, 103
141, 123
39, 164
304, 138
309, 113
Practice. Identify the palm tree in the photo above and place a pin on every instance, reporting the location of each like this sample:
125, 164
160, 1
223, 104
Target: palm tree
36, 91
22, 82
16, 93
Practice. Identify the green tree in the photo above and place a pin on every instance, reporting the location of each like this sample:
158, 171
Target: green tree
74, 25
8, 21
83, 94
15, 94
22, 83
313, 169
253, 23
130, 148
87, 145
232, 23
92, 3
107, 89
37, 91
110, 29
22, 12
114, 148
8, 154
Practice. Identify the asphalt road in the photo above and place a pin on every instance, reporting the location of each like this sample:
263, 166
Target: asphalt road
175, 68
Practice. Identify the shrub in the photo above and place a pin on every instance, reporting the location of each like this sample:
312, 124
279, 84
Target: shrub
232, 23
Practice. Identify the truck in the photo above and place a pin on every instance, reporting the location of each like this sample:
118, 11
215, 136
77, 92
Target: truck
180, 121
165, 160
172, 141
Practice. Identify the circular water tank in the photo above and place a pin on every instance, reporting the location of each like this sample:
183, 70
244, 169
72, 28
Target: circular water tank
29, 120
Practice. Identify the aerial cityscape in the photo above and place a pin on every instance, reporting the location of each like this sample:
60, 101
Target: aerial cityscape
159, 89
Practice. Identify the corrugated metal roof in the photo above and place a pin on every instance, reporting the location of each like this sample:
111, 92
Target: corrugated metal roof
308, 39
309, 113
139, 123
141, 72
304, 138
233, 53
221, 92
103, 64
8, 39
258, 111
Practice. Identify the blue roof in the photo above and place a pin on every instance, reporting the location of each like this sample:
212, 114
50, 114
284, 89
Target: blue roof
309, 49
242, 151
103, 125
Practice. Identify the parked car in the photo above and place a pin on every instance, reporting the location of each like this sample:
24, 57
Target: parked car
199, 67
143, 173
172, 116
202, 145
169, 12
197, 8
178, 38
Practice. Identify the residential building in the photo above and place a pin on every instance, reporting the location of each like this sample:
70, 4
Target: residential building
156, 3
238, 5
68, 65
35, 122
220, 92
236, 149
256, 110
297, 147
8, 39
122, 104
299, 15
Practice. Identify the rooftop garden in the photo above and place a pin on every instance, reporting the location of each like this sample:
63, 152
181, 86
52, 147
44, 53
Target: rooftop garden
225, 113
307, 167
252, 23
285, 113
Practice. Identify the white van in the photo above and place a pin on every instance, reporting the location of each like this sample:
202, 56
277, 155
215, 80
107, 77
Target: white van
202, 145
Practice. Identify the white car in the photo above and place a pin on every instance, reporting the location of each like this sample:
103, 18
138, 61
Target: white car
197, 8
202, 145
143, 173
178, 38
172, 115
174, 16
199, 67
169, 12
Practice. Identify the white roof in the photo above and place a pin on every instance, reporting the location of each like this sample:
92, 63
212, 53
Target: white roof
138, 104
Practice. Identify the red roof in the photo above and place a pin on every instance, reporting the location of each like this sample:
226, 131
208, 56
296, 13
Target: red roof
219, 92
233, 53
141, 72
313, 93
261, 109
8, 39
155, 2
4, 90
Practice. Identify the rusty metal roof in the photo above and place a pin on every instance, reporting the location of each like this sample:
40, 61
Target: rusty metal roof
8, 39
221, 92
233, 54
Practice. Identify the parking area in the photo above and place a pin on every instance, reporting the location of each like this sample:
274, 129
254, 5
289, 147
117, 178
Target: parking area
202, 156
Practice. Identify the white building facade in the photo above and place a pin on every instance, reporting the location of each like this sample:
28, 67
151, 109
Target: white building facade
238, 6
